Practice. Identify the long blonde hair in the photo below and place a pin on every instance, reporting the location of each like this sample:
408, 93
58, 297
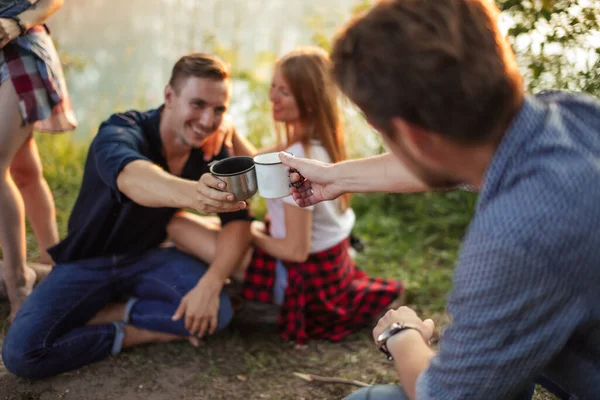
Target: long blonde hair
307, 72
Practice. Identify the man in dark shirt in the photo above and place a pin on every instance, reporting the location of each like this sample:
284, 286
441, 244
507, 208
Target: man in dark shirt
141, 168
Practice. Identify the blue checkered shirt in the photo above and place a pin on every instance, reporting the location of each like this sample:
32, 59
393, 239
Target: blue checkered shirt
526, 294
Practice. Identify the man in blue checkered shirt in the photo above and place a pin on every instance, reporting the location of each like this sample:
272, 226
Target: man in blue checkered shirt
441, 84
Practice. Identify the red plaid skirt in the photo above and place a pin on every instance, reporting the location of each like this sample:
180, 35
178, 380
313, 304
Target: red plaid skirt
31, 63
327, 297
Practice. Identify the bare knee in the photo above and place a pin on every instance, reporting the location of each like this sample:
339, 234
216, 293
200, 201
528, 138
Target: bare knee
185, 223
192, 235
176, 224
26, 175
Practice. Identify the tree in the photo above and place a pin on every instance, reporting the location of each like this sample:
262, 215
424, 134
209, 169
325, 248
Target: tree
557, 42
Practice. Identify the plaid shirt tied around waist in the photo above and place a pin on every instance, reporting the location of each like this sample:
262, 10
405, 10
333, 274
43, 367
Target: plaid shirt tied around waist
327, 296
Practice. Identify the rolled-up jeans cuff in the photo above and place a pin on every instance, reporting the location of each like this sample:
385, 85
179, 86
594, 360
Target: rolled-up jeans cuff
128, 306
119, 336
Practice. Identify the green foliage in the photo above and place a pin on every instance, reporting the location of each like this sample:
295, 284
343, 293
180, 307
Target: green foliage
361, 6
70, 62
414, 237
555, 42
63, 159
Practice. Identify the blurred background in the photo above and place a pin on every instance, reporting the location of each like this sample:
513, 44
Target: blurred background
118, 55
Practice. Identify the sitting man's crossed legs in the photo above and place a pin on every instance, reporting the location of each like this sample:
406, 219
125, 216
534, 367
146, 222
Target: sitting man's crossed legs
59, 328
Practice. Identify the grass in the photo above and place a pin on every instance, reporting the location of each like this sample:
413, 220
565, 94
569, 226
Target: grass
414, 237
411, 237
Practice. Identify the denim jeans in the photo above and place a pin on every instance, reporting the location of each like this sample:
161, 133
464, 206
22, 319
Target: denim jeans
49, 334
395, 392
379, 392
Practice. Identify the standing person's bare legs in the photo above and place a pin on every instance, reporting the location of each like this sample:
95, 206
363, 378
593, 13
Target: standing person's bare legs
18, 277
26, 170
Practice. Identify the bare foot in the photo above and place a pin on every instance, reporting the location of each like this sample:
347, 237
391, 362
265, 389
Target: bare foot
112, 312
41, 270
46, 259
20, 293
135, 336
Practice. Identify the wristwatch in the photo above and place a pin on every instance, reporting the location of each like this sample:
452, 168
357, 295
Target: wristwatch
19, 23
393, 329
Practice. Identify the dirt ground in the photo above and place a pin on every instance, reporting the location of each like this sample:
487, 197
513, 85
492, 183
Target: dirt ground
247, 361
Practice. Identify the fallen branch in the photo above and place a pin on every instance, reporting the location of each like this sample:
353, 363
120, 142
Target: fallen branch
325, 379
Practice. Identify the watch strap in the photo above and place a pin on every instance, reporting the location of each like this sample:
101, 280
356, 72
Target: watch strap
393, 329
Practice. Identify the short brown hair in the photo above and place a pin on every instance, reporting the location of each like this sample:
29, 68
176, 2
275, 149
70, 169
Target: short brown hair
198, 65
440, 64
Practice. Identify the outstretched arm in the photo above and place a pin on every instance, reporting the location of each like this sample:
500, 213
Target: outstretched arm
117, 153
149, 185
383, 173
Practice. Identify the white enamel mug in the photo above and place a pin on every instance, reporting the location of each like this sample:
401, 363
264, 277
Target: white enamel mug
272, 176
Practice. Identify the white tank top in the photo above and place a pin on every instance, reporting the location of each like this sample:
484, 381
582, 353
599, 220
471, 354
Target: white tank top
329, 225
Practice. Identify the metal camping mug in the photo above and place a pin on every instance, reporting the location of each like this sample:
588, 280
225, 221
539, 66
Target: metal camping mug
239, 174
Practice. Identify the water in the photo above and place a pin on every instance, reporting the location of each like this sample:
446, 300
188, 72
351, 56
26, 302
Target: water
130, 46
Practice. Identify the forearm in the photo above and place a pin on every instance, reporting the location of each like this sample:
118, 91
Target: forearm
232, 243
278, 248
383, 173
411, 358
151, 186
39, 12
